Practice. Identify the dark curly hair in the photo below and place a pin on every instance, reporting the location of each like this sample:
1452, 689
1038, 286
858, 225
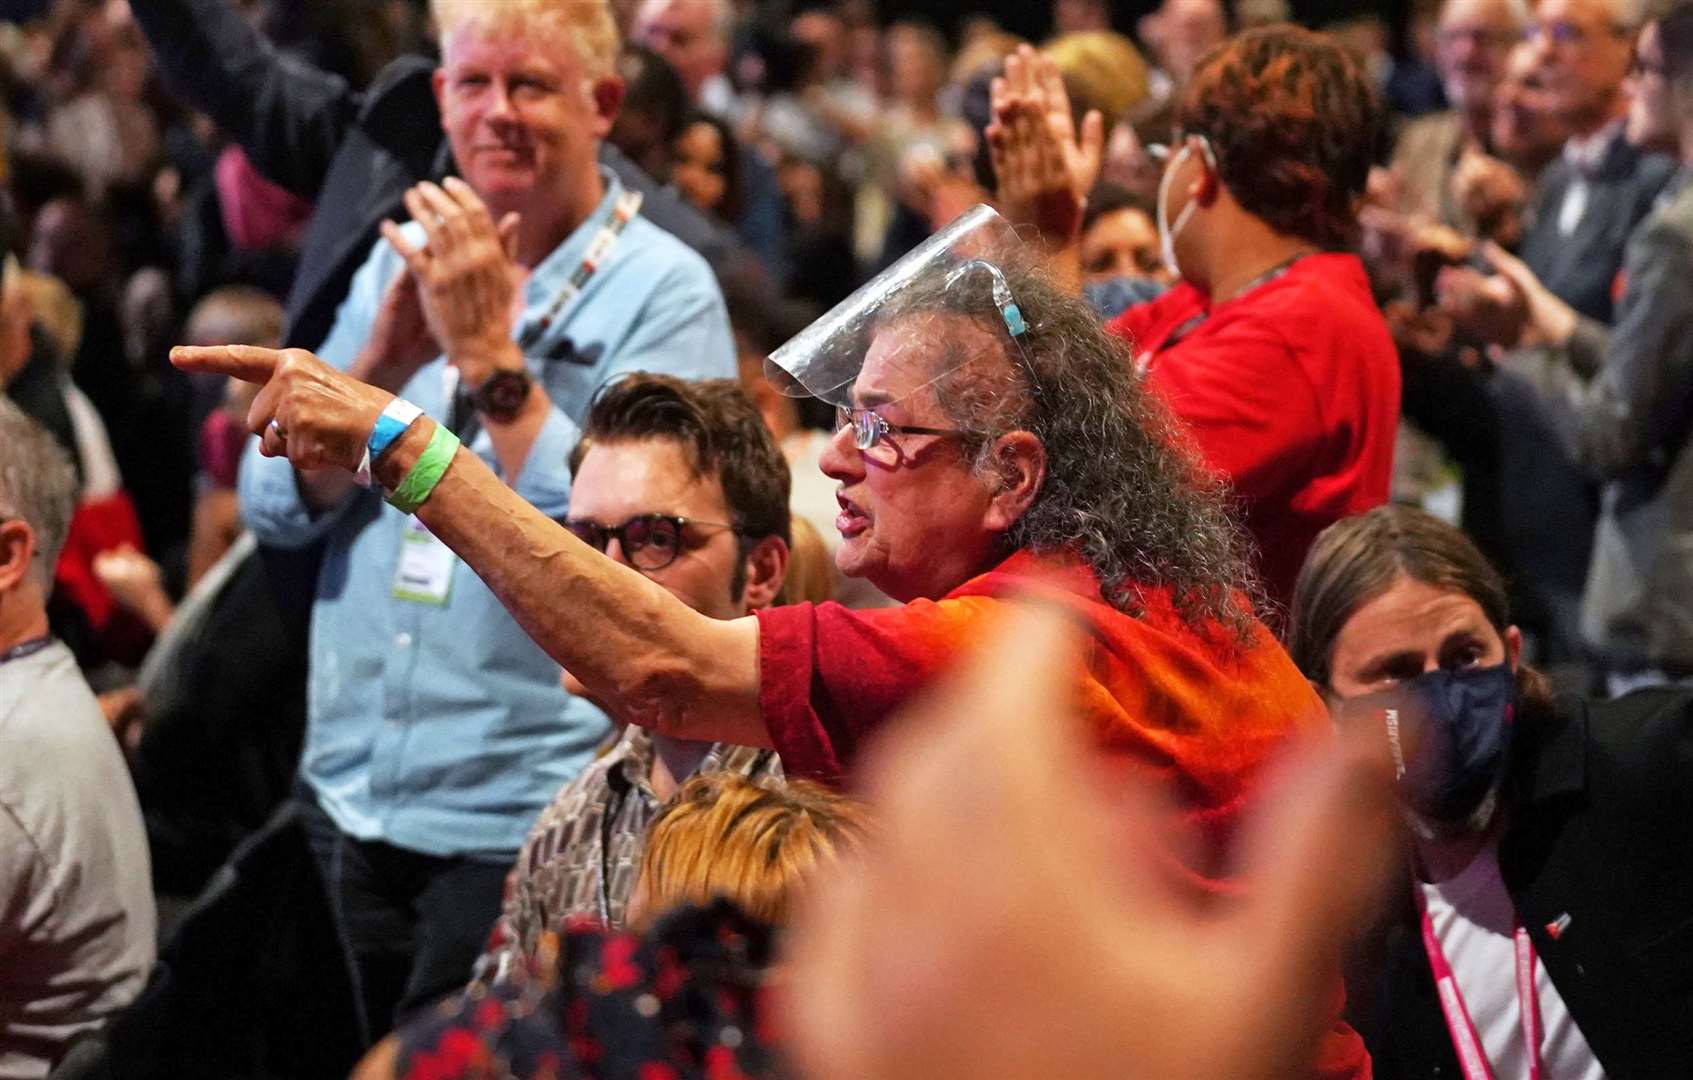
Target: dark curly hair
1295, 125
1121, 489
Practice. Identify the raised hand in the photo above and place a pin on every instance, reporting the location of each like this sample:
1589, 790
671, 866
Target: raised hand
1060, 946
1045, 168
305, 410
400, 340
466, 276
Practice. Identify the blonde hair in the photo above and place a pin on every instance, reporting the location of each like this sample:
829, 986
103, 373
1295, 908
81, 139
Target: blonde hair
586, 24
1101, 70
751, 842
811, 569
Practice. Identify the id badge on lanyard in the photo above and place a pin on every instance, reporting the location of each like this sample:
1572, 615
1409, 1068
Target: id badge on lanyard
424, 571
1472, 1056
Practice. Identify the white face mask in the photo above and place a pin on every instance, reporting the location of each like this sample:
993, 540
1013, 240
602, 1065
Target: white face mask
1167, 232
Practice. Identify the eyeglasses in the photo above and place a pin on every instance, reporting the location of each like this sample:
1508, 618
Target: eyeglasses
648, 541
1568, 33
870, 430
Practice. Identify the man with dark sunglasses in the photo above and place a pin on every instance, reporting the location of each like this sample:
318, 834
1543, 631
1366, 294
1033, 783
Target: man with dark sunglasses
683, 482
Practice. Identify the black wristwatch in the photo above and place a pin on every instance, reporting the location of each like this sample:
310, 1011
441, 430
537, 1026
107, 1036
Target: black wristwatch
503, 393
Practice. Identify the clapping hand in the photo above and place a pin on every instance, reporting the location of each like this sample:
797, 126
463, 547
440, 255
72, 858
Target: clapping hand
1045, 168
466, 274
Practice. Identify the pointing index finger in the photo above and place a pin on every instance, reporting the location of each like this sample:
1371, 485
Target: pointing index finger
249, 363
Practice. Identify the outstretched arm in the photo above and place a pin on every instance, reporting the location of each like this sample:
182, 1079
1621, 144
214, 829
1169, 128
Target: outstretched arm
649, 657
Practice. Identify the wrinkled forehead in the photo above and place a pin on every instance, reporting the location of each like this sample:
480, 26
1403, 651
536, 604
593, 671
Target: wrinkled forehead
909, 353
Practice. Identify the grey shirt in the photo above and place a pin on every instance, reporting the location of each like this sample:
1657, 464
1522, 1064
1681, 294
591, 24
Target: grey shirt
77, 924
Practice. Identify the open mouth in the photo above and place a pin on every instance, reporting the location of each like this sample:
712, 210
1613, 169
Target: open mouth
851, 520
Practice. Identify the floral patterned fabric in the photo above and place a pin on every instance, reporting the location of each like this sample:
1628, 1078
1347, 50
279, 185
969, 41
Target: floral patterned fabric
686, 1000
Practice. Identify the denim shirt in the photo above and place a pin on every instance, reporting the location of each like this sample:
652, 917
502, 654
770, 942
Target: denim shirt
441, 728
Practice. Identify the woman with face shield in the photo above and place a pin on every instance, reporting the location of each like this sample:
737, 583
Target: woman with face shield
1544, 931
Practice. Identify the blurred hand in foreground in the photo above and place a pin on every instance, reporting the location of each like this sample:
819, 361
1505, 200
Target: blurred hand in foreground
1008, 922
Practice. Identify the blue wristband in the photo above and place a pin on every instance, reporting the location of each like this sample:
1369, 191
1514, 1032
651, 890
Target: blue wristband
395, 419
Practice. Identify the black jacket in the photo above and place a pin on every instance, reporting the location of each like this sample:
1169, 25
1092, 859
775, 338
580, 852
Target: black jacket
1601, 830
351, 153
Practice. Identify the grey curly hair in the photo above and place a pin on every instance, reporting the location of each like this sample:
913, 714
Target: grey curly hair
1121, 489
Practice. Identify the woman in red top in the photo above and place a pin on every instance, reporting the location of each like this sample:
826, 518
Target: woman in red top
1270, 349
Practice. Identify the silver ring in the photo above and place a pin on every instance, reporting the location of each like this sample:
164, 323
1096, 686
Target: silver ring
276, 426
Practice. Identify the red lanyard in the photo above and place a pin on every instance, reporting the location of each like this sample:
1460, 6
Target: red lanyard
1472, 1057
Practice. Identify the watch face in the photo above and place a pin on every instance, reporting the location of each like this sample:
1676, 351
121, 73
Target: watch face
503, 394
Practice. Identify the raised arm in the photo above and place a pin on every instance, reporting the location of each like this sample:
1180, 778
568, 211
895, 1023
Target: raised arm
290, 117
649, 657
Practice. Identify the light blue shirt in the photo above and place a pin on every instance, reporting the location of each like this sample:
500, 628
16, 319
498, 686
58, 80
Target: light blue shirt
441, 728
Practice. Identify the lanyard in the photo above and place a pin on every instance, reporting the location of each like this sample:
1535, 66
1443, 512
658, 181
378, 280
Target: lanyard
461, 416
1472, 1058
1193, 322
599, 248
26, 648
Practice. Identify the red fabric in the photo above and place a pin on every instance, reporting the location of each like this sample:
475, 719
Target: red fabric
1290, 390
1200, 711
256, 213
222, 439
100, 524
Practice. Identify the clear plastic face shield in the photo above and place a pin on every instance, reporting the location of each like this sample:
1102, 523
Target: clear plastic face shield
944, 306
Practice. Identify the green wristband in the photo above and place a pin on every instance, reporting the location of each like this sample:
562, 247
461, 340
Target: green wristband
431, 465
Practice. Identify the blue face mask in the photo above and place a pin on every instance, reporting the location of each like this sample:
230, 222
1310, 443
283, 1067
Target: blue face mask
1450, 732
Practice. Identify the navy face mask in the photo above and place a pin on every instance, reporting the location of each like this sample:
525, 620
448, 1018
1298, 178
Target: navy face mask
1449, 732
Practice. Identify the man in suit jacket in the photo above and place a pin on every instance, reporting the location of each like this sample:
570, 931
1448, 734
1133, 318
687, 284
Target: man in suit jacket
1593, 859
1621, 399
352, 153
1585, 206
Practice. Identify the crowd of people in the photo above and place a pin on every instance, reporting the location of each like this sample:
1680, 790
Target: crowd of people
718, 538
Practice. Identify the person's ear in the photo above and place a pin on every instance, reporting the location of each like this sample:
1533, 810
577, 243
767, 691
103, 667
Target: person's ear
766, 569
438, 83
607, 91
17, 552
1210, 182
1513, 647
1019, 470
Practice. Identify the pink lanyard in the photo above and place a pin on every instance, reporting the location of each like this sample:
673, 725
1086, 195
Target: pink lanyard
1472, 1058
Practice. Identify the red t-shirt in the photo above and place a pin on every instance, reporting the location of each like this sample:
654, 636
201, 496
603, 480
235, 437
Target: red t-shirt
1201, 710
1291, 390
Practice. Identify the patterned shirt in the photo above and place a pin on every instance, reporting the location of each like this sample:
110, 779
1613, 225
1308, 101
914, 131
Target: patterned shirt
584, 851
687, 999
